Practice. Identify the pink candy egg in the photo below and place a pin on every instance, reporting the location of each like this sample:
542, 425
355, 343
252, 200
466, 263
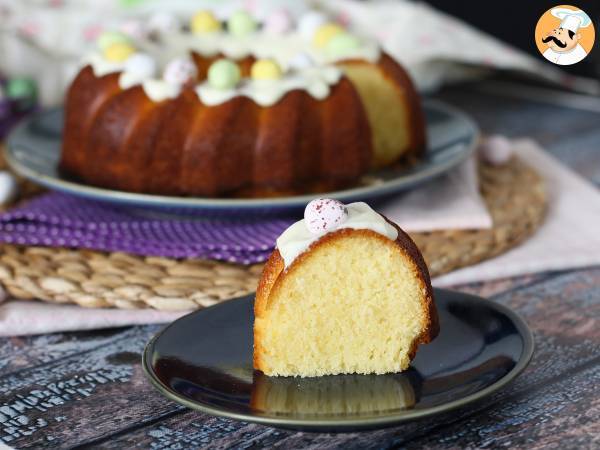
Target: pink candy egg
134, 29
179, 71
324, 214
278, 22
496, 150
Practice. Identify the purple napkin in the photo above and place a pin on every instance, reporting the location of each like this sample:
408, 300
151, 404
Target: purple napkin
58, 220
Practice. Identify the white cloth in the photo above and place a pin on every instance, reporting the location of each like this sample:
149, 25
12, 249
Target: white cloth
568, 238
566, 58
45, 40
451, 201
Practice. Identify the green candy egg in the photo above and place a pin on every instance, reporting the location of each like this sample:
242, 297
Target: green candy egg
224, 74
21, 89
109, 38
241, 23
342, 44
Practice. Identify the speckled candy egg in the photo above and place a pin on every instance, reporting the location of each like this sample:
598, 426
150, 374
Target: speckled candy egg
324, 214
496, 150
180, 71
310, 22
142, 65
278, 22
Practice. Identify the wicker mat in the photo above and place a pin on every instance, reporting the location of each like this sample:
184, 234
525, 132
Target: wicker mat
514, 194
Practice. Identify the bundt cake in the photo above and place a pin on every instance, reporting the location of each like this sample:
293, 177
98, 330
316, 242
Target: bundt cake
234, 109
345, 291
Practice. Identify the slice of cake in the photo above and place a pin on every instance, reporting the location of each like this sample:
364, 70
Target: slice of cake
345, 291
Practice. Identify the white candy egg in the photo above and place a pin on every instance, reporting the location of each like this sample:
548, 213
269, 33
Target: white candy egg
179, 71
309, 22
496, 150
301, 61
141, 65
164, 23
324, 214
8, 187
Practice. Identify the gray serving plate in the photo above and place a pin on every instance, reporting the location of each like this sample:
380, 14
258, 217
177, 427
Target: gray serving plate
204, 362
33, 151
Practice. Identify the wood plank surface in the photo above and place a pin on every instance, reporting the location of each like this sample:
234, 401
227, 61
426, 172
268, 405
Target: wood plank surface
87, 389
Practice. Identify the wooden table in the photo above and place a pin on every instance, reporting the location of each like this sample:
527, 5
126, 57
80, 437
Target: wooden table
87, 388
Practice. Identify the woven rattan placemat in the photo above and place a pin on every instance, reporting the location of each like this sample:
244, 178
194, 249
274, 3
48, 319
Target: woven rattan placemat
514, 194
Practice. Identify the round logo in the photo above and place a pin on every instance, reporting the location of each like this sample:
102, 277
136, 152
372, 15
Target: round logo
565, 35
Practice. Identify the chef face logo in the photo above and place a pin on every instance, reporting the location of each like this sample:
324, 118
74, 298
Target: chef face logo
564, 35
561, 40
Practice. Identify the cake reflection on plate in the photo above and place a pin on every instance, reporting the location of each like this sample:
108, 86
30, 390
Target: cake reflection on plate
332, 395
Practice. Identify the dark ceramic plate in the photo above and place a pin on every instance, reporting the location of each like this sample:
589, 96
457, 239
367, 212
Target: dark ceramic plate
204, 361
33, 151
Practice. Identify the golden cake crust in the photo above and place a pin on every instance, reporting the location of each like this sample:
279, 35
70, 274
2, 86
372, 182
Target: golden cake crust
394, 72
274, 273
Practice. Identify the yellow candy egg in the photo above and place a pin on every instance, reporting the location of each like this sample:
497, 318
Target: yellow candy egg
205, 22
325, 33
266, 69
118, 52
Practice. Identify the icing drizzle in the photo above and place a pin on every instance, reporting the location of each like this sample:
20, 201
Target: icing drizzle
282, 48
297, 238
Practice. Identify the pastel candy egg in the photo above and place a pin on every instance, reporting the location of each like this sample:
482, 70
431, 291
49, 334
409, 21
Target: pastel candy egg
163, 23
8, 187
134, 29
325, 33
118, 52
265, 69
496, 150
241, 23
310, 22
224, 74
109, 38
301, 61
278, 22
21, 89
324, 214
142, 65
179, 71
205, 22
342, 44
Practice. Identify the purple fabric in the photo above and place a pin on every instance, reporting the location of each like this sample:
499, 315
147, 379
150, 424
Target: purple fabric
59, 220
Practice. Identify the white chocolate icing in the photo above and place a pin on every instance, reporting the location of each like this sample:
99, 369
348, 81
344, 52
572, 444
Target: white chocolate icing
297, 238
281, 48
316, 81
159, 90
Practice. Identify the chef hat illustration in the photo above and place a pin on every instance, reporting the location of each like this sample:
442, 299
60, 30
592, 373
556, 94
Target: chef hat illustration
571, 19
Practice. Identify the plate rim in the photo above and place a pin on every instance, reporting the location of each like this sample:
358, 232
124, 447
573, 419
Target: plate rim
324, 425
227, 204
